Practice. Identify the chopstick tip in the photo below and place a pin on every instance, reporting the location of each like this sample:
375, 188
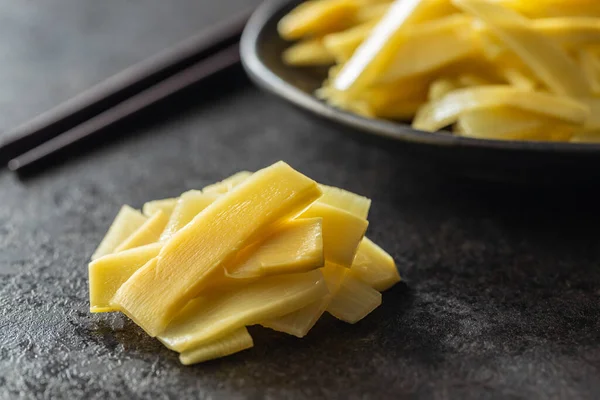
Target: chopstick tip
14, 164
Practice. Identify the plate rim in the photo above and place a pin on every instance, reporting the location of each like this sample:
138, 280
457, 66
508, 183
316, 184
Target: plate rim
265, 78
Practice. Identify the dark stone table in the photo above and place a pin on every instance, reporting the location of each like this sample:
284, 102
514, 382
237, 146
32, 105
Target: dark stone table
501, 297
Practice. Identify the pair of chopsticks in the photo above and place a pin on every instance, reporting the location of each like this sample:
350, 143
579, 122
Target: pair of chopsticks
125, 94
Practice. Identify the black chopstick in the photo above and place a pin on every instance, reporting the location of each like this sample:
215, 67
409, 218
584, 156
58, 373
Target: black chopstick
116, 89
131, 106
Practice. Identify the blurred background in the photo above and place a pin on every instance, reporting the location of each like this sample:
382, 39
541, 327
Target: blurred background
51, 50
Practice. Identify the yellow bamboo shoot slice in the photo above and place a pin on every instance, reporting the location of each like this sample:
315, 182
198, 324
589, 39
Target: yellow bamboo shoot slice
188, 206
347, 201
227, 184
148, 233
354, 300
492, 47
444, 112
388, 95
430, 47
467, 80
342, 232
441, 87
317, 17
510, 123
554, 8
593, 122
192, 202
590, 65
165, 205
343, 44
225, 346
300, 322
372, 12
374, 266
392, 100
586, 137
206, 319
158, 290
126, 222
569, 31
308, 52
519, 79
108, 273
377, 52
404, 110
545, 58
296, 247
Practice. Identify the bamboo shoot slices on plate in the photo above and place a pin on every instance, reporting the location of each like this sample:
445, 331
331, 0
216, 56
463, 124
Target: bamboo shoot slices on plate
272, 248
447, 110
547, 48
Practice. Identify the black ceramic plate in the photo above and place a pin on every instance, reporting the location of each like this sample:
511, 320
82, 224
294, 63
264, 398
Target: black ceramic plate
516, 161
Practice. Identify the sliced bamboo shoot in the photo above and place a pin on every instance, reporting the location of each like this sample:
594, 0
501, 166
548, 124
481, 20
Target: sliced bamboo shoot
157, 291
188, 206
510, 123
431, 46
374, 266
308, 52
342, 232
229, 344
593, 122
354, 301
206, 319
372, 12
377, 52
108, 273
148, 233
441, 87
347, 201
343, 44
586, 137
590, 65
126, 222
554, 8
227, 184
165, 205
570, 32
296, 247
299, 322
317, 17
546, 59
444, 112
518, 78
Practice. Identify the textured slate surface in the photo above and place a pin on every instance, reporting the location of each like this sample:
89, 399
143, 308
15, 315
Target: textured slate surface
502, 292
